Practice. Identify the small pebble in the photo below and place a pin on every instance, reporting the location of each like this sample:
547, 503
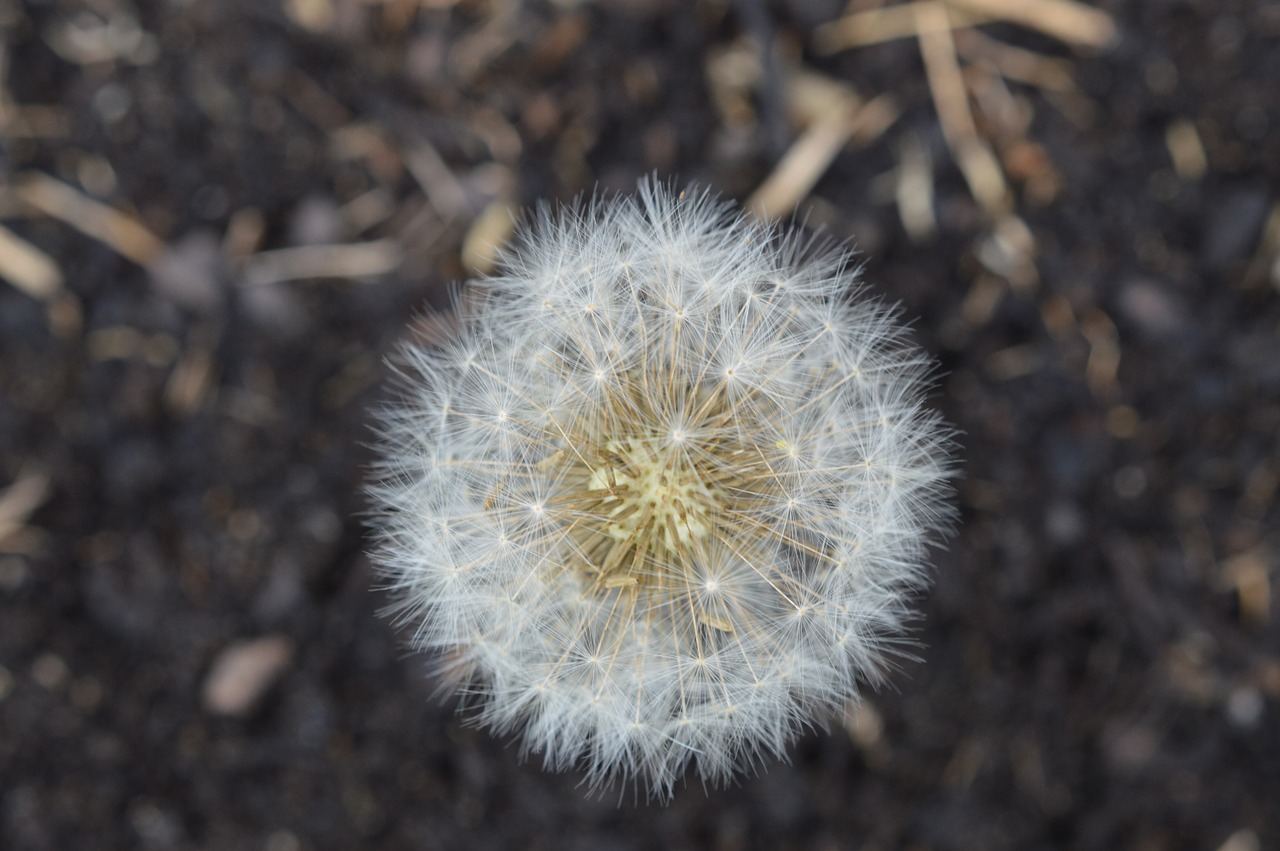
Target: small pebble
283, 840
1130, 749
1232, 225
1244, 707
1130, 482
154, 825
316, 220
50, 671
191, 272
1242, 840
1064, 523
1153, 308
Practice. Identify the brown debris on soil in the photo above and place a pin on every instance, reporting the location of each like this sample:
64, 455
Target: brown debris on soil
217, 219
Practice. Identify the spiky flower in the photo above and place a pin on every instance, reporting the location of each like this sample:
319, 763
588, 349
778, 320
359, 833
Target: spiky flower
663, 495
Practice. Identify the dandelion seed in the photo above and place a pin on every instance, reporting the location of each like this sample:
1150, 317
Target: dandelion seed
665, 497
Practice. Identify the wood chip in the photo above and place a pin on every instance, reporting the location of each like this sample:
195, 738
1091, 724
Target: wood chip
354, 260
314, 15
1103, 365
243, 673
367, 142
33, 121
1248, 574
1242, 840
875, 117
66, 316
20, 500
244, 234
368, 209
1186, 150
1009, 251
191, 382
810, 96
980, 303
1010, 115
732, 73
1013, 362
27, 267
1068, 21
124, 342
1265, 262
119, 231
87, 39
356, 376
864, 724
315, 102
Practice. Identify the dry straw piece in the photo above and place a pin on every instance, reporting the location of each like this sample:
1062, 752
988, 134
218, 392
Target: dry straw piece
661, 497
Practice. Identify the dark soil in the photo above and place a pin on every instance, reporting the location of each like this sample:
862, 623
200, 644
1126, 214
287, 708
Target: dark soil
1099, 662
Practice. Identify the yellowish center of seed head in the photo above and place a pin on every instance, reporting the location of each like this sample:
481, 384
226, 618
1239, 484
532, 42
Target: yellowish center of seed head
653, 492
648, 506
641, 507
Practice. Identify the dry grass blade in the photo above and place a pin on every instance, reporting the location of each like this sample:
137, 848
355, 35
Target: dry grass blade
875, 26
810, 155
33, 121
27, 267
946, 84
357, 260
913, 191
121, 232
1068, 21
444, 191
1016, 63
802, 165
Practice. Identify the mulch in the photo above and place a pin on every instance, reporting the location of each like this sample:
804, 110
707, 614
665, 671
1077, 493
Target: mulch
217, 219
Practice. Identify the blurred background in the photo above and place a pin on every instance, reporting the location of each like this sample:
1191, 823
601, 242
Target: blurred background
218, 217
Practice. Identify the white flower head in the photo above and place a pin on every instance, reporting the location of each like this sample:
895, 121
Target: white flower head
662, 499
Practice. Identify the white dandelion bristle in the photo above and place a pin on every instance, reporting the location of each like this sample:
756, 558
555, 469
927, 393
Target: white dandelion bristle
664, 497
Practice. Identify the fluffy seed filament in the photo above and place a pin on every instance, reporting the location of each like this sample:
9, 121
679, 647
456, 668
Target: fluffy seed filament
662, 498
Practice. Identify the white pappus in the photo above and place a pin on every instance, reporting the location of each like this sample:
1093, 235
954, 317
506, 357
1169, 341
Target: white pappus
662, 497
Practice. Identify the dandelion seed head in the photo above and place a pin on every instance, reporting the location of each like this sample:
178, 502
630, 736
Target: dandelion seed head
664, 498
